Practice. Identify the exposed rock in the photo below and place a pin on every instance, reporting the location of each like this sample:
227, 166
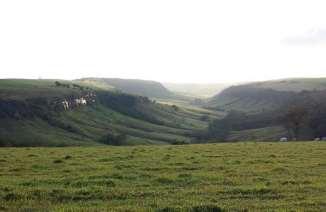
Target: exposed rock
42, 106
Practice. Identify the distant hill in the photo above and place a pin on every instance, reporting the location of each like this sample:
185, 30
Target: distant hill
196, 90
147, 88
262, 96
66, 113
294, 84
294, 108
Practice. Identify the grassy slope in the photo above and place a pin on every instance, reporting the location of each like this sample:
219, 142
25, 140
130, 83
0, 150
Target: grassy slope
20, 89
90, 123
96, 121
237, 176
260, 97
250, 101
147, 88
272, 133
295, 84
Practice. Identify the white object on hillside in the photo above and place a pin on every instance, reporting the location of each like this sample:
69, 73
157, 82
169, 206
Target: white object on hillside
283, 139
83, 101
80, 101
65, 104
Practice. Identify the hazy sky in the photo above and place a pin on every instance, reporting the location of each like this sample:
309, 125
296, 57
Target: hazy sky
166, 40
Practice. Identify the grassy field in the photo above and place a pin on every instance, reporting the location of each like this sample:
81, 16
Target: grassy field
236, 176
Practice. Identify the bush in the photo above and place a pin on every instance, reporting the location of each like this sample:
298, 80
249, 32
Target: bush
178, 142
176, 108
114, 139
58, 161
59, 84
204, 118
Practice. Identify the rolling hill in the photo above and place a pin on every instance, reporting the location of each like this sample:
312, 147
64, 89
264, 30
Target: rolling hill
264, 96
65, 113
294, 108
147, 88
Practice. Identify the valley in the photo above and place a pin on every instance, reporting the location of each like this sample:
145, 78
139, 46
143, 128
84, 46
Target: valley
162, 106
96, 111
118, 151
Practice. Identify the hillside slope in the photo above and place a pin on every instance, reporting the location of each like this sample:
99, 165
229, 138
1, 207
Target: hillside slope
61, 113
294, 84
293, 108
264, 96
147, 88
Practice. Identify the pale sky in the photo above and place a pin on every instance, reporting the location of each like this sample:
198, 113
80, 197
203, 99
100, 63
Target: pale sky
168, 40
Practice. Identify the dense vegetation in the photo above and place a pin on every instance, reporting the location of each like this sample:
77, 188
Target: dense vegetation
237, 176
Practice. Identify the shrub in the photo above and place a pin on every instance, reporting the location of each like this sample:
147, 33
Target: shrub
176, 108
57, 161
68, 157
113, 139
178, 142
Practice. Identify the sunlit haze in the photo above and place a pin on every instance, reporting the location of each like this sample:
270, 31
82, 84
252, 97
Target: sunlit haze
168, 41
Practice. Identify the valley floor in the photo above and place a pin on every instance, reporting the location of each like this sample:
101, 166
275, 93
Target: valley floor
235, 176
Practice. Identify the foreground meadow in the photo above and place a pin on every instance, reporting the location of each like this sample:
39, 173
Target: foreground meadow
211, 177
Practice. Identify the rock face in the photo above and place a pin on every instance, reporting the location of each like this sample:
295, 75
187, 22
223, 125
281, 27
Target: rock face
41, 106
65, 105
71, 103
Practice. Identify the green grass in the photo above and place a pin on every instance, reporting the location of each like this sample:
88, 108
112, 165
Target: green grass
245, 97
91, 123
295, 84
235, 176
95, 121
259, 134
21, 89
147, 88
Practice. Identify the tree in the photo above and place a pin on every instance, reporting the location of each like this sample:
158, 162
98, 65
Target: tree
175, 108
113, 139
317, 120
221, 128
294, 119
57, 83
